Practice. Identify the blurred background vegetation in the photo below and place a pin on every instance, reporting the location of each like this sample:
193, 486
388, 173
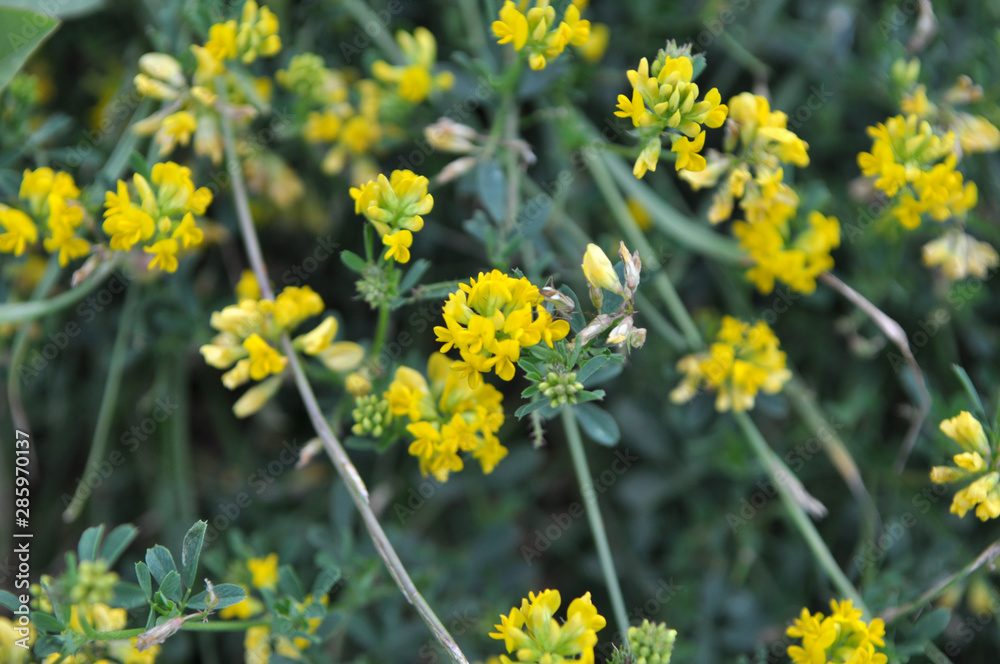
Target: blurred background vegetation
700, 539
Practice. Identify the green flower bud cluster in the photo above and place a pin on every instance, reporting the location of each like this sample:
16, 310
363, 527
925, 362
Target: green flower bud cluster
560, 388
651, 643
371, 415
377, 286
94, 583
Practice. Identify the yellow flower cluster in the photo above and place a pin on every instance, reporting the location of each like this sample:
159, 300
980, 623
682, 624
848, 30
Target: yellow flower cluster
906, 160
103, 618
189, 110
743, 360
533, 635
348, 115
12, 641
163, 218
416, 80
51, 196
394, 206
536, 31
250, 332
665, 98
974, 132
255, 35
960, 255
491, 319
260, 643
757, 145
447, 416
977, 461
840, 638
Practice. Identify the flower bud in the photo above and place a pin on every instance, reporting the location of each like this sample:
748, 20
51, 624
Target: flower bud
255, 398
620, 333
598, 270
455, 169
633, 265
162, 67
562, 302
158, 634
451, 136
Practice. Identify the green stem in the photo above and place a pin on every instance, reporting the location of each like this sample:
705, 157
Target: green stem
341, 461
363, 16
20, 312
189, 626
619, 210
594, 516
381, 329
181, 444
783, 478
894, 614
20, 349
116, 368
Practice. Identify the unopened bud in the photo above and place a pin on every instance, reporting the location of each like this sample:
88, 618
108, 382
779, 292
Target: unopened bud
162, 67
620, 333
562, 302
633, 265
456, 169
598, 270
637, 339
451, 136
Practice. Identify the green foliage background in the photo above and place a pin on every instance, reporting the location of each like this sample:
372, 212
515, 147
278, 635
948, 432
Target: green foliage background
699, 538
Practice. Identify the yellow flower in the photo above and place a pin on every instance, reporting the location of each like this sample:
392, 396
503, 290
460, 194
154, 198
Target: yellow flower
593, 49
841, 638
977, 460
264, 360
164, 255
959, 255
248, 288
536, 31
177, 129
264, 571
319, 339
448, 415
221, 44
399, 246
665, 99
688, 157
20, 231
488, 311
743, 360
415, 81
535, 635
598, 271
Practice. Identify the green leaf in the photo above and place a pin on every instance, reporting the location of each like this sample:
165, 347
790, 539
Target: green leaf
117, 541
191, 551
62, 9
9, 600
160, 562
586, 395
23, 32
598, 424
353, 262
89, 541
413, 275
145, 582
139, 164
171, 586
603, 374
931, 625
970, 389
290, 584
591, 366
129, 595
324, 582
46, 622
491, 186
228, 594
530, 408
529, 392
